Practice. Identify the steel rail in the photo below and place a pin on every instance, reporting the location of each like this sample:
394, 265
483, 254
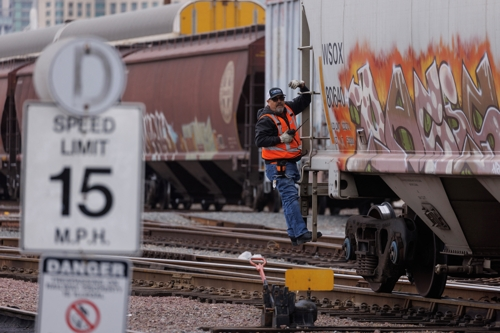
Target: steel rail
241, 228
188, 262
229, 227
219, 285
239, 240
230, 267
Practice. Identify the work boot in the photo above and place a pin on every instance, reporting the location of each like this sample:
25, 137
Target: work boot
294, 241
307, 237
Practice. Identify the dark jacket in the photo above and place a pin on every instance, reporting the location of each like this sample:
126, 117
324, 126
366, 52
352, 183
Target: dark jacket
266, 132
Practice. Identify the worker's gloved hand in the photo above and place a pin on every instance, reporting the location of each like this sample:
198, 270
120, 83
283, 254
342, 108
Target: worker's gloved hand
296, 83
286, 138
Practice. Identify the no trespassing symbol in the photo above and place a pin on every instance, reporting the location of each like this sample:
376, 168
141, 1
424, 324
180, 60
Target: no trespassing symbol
83, 316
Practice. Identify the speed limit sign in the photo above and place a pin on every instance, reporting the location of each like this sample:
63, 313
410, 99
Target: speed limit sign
82, 180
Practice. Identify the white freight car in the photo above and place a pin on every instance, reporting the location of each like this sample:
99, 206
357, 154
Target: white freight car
410, 92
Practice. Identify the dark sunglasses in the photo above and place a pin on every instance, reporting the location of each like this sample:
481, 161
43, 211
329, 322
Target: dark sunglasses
278, 98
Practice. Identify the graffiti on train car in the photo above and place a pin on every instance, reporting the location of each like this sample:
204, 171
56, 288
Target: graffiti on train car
441, 103
160, 136
183, 135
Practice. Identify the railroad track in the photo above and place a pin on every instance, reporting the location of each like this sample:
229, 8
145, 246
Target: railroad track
235, 238
217, 279
228, 236
231, 237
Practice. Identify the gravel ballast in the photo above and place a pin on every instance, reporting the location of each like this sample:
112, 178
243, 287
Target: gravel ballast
163, 314
174, 314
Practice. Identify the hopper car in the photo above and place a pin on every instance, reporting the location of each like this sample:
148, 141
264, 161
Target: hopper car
198, 67
198, 94
410, 96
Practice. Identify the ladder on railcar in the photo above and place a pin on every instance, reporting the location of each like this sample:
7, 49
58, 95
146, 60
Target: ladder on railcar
253, 102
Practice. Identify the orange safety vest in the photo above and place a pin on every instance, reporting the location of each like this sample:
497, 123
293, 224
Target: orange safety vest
283, 150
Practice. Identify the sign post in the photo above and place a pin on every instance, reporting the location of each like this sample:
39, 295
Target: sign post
82, 175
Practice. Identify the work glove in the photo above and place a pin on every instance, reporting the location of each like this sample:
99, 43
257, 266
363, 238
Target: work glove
295, 83
286, 138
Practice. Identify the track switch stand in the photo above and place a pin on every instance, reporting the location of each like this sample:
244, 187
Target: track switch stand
280, 306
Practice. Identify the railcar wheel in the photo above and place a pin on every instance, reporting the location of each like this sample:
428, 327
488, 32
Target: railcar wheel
151, 190
259, 200
156, 191
321, 205
274, 201
218, 207
349, 248
384, 284
205, 206
428, 283
394, 254
383, 287
167, 195
175, 204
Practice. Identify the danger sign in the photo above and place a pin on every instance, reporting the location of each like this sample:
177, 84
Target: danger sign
83, 294
83, 316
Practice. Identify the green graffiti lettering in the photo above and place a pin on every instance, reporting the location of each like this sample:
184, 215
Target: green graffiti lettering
404, 138
491, 141
354, 112
477, 119
427, 123
453, 123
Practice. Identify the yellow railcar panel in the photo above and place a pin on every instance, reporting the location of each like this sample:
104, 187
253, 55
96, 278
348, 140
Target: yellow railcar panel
247, 13
186, 20
220, 12
225, 15
205, 16
309, 279
219, 15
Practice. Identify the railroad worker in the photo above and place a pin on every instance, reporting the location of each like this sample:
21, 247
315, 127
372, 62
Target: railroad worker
276, 132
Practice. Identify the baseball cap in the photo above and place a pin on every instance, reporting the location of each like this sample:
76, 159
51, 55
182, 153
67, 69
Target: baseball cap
273, 92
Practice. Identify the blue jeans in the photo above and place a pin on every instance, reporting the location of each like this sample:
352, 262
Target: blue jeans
289, 197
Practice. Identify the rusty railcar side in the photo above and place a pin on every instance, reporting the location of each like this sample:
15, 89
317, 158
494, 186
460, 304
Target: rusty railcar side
201, 94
